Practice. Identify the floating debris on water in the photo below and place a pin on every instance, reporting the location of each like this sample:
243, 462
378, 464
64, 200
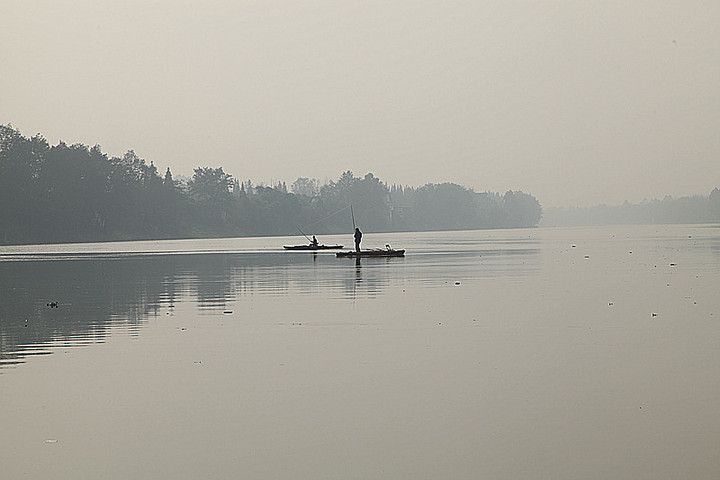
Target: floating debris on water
53, 304
227, 312
654, 314
51, 440
457, 283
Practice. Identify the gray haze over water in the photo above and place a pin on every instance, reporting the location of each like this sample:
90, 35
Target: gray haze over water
577, 103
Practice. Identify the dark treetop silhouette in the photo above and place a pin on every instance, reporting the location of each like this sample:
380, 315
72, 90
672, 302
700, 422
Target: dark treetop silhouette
70, 193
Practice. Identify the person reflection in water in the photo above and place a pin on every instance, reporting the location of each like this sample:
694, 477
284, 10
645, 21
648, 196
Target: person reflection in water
358, 237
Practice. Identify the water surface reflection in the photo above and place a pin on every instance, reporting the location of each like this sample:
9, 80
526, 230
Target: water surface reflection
122, 289
75, 302
506, 352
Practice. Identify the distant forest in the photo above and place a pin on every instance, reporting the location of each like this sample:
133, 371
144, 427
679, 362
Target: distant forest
73, 193
696, 209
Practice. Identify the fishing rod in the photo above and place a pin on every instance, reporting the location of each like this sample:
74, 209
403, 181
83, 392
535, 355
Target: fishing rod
353, 216
304, 235
329, 216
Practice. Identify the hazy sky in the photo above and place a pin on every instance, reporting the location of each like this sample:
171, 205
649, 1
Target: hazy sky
576, 102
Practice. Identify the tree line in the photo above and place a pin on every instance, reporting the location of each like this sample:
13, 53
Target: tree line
70, 193
695, 209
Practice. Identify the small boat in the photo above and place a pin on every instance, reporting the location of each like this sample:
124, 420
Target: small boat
378, 252
312, 247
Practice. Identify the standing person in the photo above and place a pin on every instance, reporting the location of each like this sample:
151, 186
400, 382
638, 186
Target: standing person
314, 242
358, 237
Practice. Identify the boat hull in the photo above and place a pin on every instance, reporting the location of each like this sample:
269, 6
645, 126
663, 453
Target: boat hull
372, 253
312, 247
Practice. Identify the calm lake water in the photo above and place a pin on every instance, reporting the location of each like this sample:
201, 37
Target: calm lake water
587, 353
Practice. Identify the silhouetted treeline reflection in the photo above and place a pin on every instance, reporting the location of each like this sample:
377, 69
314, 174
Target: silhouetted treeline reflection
72, 193
64, 297
46, 301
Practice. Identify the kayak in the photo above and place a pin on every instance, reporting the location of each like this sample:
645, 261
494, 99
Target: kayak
372, 253
311, 247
